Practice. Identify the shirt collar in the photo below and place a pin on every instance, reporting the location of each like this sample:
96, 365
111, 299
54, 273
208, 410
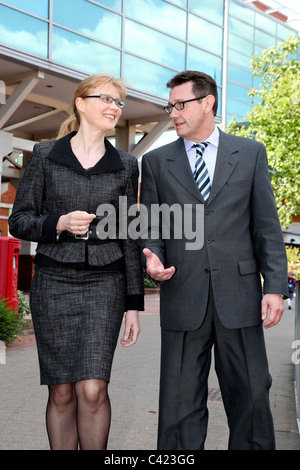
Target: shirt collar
212, 139
62, 153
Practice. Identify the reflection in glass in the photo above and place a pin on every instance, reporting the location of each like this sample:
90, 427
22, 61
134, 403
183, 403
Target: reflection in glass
205, 35
264, 39
237, 107
212, 10
146, 76
238, 59
242, 29
238, 75
113, 4
84, 54
23, 32
153, 45
181, 3
39, 8
205, 62
238, 92
266, 24
160, 15
219, 110
241, 11
240, 44
283, 32
89, 19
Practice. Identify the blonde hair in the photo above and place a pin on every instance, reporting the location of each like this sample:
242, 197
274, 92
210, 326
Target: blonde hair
72, 123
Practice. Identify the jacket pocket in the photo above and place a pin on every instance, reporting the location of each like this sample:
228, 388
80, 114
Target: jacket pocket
247, 266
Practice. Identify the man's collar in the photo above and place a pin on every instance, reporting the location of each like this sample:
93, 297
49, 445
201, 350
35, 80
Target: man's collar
212, 139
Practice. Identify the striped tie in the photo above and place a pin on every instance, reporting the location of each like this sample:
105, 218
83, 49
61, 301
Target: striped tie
201, 174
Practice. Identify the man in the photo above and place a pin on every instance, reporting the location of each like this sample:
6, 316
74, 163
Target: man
212, 296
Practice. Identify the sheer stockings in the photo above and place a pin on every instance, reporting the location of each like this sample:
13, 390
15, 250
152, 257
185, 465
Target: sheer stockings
78, 414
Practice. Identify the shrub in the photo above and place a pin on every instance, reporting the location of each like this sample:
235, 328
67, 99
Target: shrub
149, 282
11, 321
24, 309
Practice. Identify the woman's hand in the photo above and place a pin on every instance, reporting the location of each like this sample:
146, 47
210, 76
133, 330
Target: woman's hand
132, 328
76, 222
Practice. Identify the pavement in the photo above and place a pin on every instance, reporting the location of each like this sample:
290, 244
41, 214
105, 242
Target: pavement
134, 392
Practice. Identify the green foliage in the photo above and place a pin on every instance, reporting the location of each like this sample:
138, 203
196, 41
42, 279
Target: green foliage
275, 121
150, 283
293, 256
11, 322
24, 309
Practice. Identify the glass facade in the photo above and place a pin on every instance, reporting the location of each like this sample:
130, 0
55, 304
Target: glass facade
249, 32
146, 41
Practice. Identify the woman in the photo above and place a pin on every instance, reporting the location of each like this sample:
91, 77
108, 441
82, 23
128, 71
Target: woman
82, 284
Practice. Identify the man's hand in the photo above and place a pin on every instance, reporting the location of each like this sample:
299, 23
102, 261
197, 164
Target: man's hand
155, 268
272, 304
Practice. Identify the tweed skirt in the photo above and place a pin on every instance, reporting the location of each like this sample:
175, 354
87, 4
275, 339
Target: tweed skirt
77, 315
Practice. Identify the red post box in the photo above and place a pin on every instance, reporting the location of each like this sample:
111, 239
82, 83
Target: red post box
9, 266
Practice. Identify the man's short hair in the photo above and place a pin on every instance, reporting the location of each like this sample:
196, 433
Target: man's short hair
203, 84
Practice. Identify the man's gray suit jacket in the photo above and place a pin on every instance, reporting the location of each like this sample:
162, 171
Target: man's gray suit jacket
243, 242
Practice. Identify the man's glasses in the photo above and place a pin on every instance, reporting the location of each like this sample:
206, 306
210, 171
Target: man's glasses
108, 99
180, 104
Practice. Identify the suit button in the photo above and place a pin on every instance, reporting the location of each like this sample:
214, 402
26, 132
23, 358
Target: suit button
210, 240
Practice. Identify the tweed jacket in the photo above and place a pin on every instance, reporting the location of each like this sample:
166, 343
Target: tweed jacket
242, 236
54, 183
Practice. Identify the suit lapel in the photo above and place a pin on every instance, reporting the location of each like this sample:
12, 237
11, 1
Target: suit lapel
179, 166
225, 164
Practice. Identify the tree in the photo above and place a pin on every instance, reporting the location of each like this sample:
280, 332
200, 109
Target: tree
275, 121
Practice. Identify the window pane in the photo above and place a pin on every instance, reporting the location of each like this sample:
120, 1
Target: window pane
205, 62
242, 29
240, 76
160, 15
84, 54
263, 39
238, 92
239, 44
212, 10
241, 11
238, 59
238, 108
39, 8
205, 35
283, 32
155, 46
219, 110
113, 4
23, 32
266, 24
146, 76
88, 19
180, 3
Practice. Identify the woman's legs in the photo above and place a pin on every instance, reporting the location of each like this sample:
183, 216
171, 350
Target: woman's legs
93, 414
78, 413
61, 417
